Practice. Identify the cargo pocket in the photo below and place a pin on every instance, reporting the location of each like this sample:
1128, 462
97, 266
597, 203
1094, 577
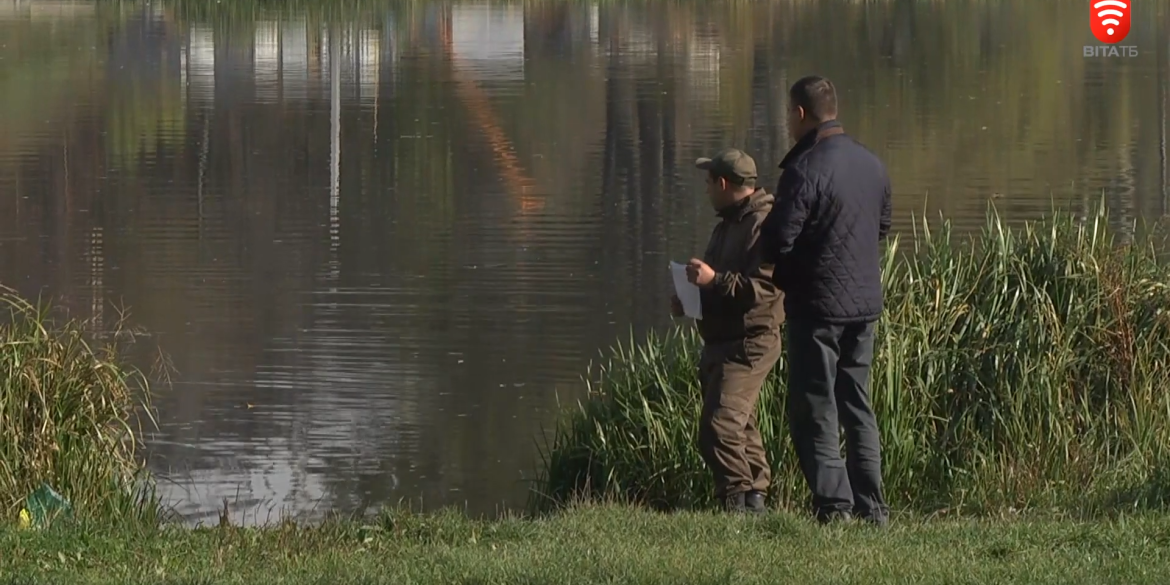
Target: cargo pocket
753, 351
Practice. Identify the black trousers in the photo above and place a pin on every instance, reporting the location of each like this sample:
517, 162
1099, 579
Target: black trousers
828, 390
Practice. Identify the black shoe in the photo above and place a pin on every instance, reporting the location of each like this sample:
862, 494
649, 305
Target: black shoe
734, 503
878, 520
754, 502
834, 517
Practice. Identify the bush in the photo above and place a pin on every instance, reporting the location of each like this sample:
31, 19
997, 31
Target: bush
69, 417
1025, 368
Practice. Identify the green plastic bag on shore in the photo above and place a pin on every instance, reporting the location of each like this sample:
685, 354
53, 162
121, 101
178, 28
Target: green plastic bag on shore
43, 506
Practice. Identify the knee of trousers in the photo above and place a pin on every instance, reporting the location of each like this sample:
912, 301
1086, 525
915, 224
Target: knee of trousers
721, 425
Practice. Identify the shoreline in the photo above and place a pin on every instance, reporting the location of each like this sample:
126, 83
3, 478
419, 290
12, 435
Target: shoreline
602, 544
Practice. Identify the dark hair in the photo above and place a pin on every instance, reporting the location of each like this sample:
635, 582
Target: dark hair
816, 95
733, 179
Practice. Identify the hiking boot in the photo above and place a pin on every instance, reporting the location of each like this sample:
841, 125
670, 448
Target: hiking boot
877, 520
834, 517
754, 502
734, 503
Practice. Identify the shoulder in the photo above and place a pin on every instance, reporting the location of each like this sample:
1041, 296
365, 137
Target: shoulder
756, 216
760, 207
854, 148
801, 170
804, 174
837, 152
754, 224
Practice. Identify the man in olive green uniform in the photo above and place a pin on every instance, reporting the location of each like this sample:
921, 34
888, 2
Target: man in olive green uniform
741, 315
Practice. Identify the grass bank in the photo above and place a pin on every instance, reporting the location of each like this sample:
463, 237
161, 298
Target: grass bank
602, 545
1024, 368
70, 416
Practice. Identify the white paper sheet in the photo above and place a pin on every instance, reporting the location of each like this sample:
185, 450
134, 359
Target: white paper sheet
686, 292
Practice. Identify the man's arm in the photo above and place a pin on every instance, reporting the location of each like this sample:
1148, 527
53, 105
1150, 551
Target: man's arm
794, 195
887, 212
752, 285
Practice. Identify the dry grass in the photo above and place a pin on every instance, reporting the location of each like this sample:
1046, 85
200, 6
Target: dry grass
70, 416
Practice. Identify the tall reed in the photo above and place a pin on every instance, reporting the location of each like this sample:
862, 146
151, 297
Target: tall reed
1024, 368
70, 417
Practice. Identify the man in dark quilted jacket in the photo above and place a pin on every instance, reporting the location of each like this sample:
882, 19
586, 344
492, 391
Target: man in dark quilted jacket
823, 234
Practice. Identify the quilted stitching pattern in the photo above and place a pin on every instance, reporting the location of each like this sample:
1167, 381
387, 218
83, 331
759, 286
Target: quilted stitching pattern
833, 272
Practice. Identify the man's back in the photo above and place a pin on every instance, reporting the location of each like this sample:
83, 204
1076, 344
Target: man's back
836, 200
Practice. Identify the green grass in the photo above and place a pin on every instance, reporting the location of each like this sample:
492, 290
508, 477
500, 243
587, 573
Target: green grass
602, 545
1023, 369
69, 416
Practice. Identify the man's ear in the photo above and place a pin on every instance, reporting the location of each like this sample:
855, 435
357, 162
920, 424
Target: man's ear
800, 112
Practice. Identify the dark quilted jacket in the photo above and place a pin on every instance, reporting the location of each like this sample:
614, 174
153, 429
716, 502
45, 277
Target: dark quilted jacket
823, 234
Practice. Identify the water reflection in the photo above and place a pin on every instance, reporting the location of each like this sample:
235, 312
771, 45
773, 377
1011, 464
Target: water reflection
377, 247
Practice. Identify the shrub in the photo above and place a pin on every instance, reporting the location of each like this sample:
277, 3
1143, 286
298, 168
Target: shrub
69, 417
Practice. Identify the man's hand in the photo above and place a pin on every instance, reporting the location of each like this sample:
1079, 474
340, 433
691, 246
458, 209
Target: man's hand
699, 273
676, 308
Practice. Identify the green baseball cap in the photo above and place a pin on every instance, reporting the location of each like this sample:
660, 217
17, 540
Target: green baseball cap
730, 163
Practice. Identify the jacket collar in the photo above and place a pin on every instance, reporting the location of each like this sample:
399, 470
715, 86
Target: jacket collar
810, 139
741, 208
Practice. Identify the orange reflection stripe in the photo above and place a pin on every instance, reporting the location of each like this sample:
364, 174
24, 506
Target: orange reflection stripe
477, 103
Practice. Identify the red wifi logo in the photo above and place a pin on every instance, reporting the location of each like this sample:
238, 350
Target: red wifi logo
1110, 20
